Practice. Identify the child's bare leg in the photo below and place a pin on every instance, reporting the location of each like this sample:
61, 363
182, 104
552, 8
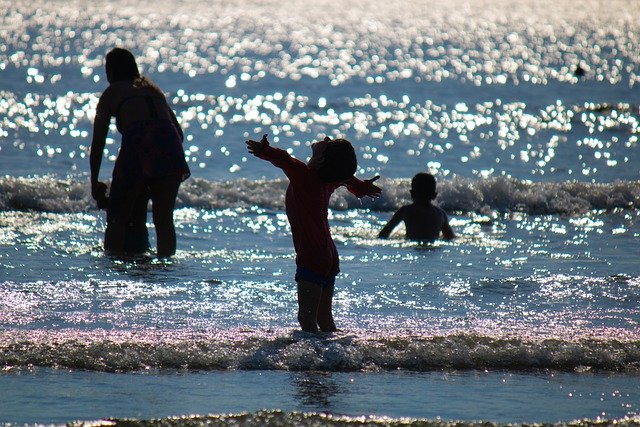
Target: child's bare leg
308, 300
325, 311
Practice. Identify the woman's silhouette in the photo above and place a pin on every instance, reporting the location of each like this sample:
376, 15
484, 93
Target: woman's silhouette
151, 159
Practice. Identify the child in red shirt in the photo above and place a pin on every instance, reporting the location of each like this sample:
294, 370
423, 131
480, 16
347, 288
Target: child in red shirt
332, 164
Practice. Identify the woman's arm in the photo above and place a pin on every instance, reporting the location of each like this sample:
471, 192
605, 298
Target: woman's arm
100, 130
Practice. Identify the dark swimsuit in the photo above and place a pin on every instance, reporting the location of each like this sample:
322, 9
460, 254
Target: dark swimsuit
150, 149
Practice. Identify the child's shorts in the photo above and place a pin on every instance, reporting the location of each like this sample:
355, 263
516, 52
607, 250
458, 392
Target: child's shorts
307, 275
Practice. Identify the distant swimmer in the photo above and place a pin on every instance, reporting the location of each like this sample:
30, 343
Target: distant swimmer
422, 220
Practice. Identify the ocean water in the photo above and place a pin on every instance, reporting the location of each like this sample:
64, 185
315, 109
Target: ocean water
528, 114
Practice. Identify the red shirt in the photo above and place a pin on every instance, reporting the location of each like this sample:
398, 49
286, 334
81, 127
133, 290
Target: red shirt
307, 204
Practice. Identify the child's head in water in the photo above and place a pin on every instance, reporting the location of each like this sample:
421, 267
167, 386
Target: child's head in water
423, 187
335, 159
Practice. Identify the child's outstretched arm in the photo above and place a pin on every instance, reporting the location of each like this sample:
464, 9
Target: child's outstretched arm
256, 147
278, 157
365, 188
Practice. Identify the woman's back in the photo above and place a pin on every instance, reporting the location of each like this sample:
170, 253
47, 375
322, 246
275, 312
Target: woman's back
129, 102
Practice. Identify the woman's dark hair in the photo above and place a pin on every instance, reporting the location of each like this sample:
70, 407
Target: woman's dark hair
121, 65
338, 162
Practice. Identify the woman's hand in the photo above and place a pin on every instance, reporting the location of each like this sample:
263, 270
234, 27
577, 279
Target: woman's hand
99, 194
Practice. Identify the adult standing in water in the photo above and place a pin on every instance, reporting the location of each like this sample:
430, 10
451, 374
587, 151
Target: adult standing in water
151, 160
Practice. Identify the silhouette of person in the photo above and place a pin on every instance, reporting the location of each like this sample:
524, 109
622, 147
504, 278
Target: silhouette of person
151, 160
332, 164
422, 220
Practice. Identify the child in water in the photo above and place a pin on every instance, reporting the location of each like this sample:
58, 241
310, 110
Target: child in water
422, 220
332, 164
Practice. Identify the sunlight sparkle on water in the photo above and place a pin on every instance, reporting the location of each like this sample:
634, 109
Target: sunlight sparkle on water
54, 46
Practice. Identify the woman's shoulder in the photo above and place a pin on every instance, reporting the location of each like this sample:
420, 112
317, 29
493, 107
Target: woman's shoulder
117, 90
107, 99
148, 87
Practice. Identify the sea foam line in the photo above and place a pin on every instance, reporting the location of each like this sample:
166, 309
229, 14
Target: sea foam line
281, 418
130, 351
502, 194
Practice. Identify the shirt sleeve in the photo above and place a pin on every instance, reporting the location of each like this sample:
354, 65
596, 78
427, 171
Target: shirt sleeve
278, 157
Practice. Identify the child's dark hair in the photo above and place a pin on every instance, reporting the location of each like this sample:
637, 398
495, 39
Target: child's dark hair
338, 161
423, 186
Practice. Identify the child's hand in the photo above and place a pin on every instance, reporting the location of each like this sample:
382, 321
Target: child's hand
365, 188
371, 189
255, 147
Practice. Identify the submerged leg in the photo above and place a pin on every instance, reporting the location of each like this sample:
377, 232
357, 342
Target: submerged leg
325, 310
137, 237
308, 301
122, 199
163, 197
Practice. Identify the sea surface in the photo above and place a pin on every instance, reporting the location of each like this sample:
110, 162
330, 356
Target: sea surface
527, 112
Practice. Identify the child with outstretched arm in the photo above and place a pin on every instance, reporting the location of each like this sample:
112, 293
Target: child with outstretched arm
422, 219
332, 164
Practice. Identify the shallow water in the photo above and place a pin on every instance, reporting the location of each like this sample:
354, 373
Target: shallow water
490, 275
504, 397
530, 315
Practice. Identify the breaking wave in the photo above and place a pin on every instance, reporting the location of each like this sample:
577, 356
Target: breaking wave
131, 351
49, 194
281, 418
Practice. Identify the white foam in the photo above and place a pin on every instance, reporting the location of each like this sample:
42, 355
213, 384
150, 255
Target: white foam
277, 417
49, 194
127, 351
